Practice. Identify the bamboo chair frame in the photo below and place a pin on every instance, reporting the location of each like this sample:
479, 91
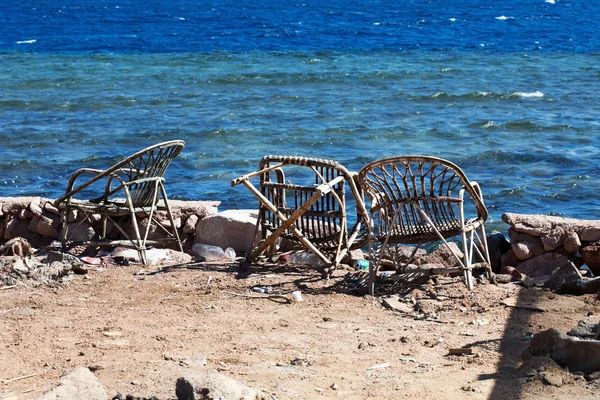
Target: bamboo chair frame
133, 187
417, 200
311, 214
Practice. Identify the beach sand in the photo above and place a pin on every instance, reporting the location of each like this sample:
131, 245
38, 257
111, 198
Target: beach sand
139, 332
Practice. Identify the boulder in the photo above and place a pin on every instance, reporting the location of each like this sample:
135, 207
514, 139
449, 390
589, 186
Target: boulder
79, 383
211, 385
497, 247
544, 264
571, 353
232, 228
442, 256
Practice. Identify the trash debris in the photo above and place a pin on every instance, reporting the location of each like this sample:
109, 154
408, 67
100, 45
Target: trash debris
262, 289
207, 252
297, 296
379, 366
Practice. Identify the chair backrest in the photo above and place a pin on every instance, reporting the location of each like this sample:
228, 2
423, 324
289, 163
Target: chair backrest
151, 162
399, 187
140, 171
294, 181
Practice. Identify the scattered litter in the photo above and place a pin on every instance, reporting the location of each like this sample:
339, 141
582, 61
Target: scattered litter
297, 296
262, 289
480, 321
379, 366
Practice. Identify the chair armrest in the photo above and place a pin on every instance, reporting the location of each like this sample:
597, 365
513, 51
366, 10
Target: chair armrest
97, 175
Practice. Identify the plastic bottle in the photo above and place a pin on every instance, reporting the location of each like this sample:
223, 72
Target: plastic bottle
230, 254
207, 252
304, 258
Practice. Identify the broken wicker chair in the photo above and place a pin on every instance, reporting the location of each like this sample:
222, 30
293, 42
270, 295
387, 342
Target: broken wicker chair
420, 199
304, 201
132, 191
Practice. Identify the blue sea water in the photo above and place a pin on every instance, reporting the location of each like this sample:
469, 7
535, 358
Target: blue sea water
508, 90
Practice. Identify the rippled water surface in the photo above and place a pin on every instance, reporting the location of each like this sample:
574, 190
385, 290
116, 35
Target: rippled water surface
516, 107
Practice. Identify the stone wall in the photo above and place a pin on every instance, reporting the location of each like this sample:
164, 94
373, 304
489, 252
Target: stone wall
541, 244
37, 220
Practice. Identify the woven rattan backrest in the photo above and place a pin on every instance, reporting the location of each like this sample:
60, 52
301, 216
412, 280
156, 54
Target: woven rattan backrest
400, 186
295, 181
152, 162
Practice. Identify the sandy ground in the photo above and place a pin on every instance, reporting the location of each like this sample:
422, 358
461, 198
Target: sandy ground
140, 332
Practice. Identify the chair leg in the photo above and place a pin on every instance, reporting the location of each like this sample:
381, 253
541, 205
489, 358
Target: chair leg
467, 256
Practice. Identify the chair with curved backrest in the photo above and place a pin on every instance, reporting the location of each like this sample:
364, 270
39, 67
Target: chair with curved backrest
417, 200
132, 189
304, 201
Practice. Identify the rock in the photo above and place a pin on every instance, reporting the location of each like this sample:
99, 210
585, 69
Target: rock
552, 240
232, 228
79, 383
591, 257
16, 247
580, 287
544, 264
393, 303
80, 232
442, 256
564, 274
190, 224
572, 242
199, 208
509, 259
585, 329
17, 228
576, 355
526, 250
47, 226
35, 208
497, 247
552, 379
211, 385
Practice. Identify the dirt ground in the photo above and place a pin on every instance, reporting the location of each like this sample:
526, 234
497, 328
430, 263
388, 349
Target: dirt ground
140, 332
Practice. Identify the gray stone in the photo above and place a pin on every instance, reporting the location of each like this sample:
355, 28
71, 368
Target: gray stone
527, 250
393, 303
79, 383
211, 385
562, 275
585, 329
552, 378
576, 355
232, 228
544, 264
47, 226
442, 256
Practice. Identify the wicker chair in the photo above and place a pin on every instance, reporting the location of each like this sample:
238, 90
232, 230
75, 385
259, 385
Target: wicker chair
420, 199
304, 201
131, 189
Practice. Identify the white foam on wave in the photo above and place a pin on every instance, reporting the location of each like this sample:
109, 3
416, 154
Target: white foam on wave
26, 41
452, 19
550, 1
503, 18
529, 95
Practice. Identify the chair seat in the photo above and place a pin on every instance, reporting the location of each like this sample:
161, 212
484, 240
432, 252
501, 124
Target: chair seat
424, 233
112, 208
